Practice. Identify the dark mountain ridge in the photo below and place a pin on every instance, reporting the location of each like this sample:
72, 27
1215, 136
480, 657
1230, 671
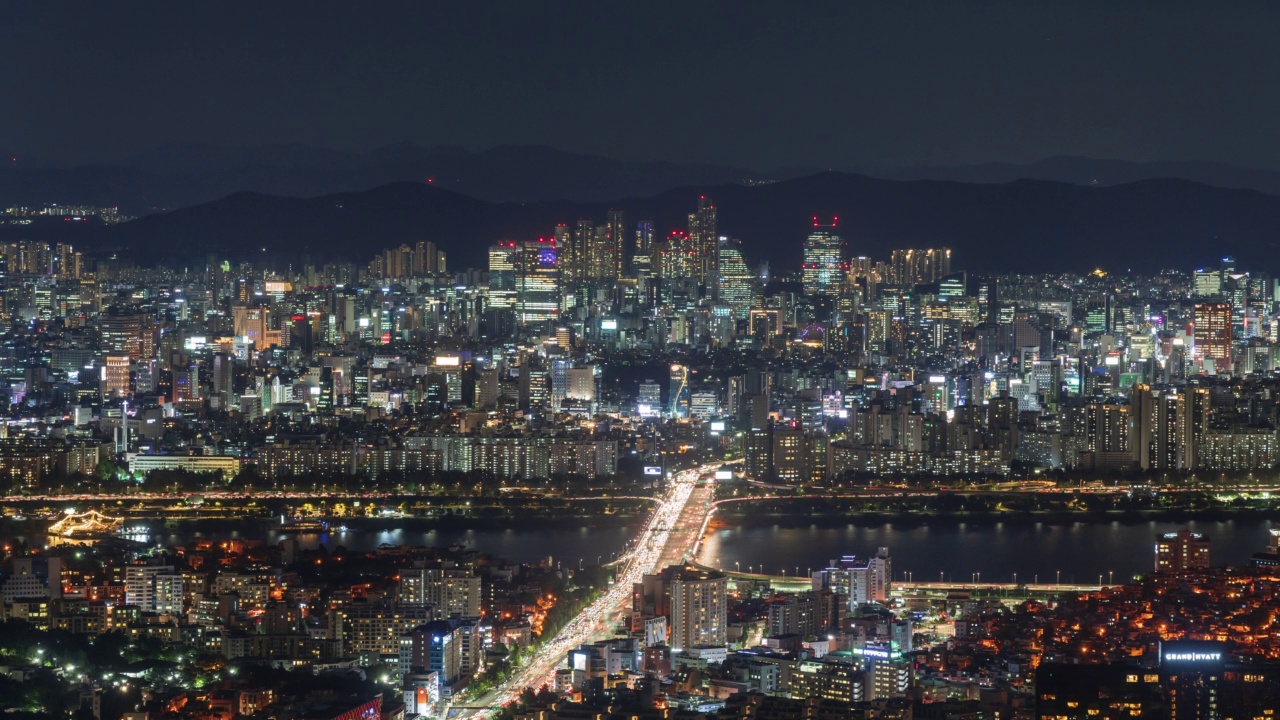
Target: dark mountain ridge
1025, 225
184, 176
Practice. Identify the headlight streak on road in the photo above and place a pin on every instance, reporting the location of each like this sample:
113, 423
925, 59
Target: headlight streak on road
595, 620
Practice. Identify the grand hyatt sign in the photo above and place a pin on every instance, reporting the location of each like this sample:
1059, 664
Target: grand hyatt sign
1193, 656
1199, 653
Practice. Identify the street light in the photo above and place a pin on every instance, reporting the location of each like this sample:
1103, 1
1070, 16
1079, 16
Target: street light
1059, 580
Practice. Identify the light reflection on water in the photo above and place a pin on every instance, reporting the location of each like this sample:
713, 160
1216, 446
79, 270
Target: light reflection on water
958, 549
564, 543
1080, 550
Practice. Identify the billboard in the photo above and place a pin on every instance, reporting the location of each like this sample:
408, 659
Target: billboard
655, 631
653, 470
724, 474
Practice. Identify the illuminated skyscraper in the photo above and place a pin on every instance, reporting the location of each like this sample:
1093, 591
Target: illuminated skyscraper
1213, 334
502, 275
581, 251
919, 266
1193, 425
115, 376
703, 241
824, 265
565, 256
615, 243
537, 280
641, 258
736, 282
676, 257
124, 335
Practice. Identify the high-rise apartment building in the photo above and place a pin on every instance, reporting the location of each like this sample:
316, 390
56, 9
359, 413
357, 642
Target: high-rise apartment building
703, 244
698, 606
1181, 551
615, 245
153, 588
919, 266
1193, 425
447, 590
641, 257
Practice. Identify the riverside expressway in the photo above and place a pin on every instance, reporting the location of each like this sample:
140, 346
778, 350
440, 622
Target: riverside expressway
669, 537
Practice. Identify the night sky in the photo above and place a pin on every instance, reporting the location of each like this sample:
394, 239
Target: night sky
759, 85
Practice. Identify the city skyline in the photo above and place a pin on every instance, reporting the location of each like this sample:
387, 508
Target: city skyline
712, 361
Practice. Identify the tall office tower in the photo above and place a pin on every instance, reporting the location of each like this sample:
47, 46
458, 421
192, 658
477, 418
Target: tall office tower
186, 383
1207, 283
643, 247
678, 399
559, 382
699, 606
737, 283
703, 241
114, 382
432, 648
1213, 334
566, 255
1181, 551
122, 334
1193, 425
649, 399
537, 279
824, 267
252, 322
223, 397
502, 275
615, 245
675, 257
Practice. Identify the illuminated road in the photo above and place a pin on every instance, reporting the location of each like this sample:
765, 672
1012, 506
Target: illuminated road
667, 538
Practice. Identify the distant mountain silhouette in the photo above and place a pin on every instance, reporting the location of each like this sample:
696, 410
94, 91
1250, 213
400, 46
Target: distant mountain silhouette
1089, 171
1026, 225
183, 176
